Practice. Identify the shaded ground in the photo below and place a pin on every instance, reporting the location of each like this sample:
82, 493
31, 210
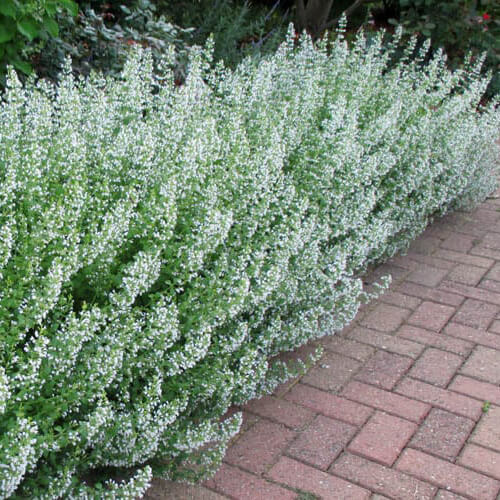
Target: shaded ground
405, 402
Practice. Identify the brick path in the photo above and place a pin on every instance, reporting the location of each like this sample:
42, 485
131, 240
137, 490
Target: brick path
405, 402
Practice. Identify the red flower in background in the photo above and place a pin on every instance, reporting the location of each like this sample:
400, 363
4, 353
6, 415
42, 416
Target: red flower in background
486, 16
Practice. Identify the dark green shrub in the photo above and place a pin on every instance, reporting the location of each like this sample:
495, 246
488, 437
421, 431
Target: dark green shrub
100, 40
25, 26
101, 37
238, 28
459, 26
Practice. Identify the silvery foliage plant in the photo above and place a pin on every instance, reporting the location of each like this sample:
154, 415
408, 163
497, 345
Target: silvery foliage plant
161, 245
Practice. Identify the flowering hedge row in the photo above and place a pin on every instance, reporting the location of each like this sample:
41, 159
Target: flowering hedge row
159, 245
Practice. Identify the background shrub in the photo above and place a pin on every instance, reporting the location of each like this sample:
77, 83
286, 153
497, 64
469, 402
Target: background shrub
239, 29
161, 245
459, 26
100, 38
27, 21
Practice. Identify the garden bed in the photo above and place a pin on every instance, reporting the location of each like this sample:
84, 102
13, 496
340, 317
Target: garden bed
160, 244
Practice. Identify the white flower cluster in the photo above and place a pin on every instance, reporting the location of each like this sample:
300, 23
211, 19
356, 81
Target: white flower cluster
160, 245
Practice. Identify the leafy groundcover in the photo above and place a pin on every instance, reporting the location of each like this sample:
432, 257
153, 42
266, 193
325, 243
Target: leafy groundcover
161, 245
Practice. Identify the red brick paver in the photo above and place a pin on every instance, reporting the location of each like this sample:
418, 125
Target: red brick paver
461, 258
330, 405
481, 460
476, 389
491, 240
427, 275
476, 313
448, 495
437, 340
385, 318
458, 243
467, 274
494, 274
282, 411
322, 442
400, 299
384, 369
495, 327
440, 398
326, 486
473, 335
484, 214
432, 294
485, 252
436, 367
381, 479
474, 293
492, 285
488, 431
442, 434
456, 478
161, 489
425, 245
404, 403
236, 483
431, 316
332, 372
382, 438
484, 363
430, 261
347, 347
387, 342
386, 401
260, 446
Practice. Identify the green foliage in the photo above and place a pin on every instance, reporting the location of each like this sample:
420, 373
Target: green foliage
239, 29
22, 22
101, 40
161, 245
458, 26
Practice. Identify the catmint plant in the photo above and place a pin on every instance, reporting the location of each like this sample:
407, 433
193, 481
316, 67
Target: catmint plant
162, 245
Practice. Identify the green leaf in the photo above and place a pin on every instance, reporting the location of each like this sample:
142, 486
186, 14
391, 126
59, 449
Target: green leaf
51, 26
51, 8
11, 49
29, 28
70, 6
7, 30
8, 8
23, 66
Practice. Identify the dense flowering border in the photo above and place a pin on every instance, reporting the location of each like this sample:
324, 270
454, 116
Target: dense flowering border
159, 245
